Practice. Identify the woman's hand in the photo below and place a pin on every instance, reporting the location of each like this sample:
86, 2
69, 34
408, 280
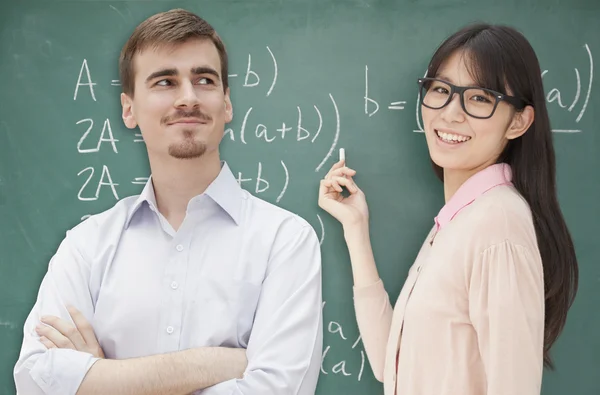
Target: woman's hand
351, 210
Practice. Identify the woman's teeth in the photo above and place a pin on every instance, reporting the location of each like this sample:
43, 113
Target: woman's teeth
452, 138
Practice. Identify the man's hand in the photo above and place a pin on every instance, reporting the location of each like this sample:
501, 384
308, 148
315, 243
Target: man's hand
58, 333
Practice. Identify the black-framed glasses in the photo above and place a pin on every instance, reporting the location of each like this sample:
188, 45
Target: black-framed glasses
480, 103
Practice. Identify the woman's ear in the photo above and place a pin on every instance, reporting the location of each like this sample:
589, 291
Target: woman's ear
522, 120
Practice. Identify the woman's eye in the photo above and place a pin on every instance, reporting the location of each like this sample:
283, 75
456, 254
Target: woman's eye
440, 89
481, 99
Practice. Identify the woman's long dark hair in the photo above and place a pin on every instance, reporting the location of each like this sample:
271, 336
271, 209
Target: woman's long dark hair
500, 58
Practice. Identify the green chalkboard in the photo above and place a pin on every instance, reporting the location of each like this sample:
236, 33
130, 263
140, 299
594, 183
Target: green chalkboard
309, 76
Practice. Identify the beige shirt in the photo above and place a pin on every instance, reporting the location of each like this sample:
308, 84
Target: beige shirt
470, 317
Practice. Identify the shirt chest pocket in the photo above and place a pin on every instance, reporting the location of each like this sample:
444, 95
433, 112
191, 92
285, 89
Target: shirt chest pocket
223, 310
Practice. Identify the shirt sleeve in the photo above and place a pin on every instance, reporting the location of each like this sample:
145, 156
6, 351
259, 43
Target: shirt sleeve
285, 346
506, 308
56, 371
374, 318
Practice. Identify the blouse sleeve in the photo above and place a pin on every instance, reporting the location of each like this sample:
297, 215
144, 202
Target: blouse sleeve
506, 308
374, 317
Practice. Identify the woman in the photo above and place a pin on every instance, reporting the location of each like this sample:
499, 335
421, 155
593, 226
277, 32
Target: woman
489, 291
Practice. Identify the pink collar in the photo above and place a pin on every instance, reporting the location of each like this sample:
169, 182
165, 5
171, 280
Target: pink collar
477, 185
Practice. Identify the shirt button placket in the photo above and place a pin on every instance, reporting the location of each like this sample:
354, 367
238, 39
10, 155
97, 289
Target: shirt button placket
174, 308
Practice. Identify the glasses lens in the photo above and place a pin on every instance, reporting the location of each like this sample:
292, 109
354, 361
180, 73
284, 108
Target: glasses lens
434, 94
479, 102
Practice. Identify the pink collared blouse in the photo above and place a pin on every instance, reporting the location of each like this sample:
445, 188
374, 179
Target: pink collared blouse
470, 317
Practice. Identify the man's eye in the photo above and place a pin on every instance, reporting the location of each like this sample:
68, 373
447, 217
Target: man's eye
164, 83
205, 81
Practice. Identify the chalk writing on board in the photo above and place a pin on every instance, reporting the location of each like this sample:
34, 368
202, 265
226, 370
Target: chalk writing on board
287, 181
260, 184
138, 138
337, 366
368, 100
121, 14
297, 131
252, 78
554, 95
372, 105
105, 180
322, 230
336, 136
88, 83
8, 324
105, 136
397, 105
140, 180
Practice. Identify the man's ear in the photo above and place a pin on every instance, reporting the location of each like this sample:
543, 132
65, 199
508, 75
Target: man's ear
127, 114
521, 122
228, 107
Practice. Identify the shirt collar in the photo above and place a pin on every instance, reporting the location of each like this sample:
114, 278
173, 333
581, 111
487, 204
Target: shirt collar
475, 186
148, 196
224, 190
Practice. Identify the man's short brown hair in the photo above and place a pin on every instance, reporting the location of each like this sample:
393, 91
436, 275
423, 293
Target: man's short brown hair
171, 27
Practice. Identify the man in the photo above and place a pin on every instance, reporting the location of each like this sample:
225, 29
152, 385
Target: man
170, 291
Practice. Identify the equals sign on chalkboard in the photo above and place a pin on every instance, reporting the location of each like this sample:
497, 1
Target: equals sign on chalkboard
397, 105
115, 83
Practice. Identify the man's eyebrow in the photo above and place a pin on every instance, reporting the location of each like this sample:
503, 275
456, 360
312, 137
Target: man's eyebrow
205, 70
162, 73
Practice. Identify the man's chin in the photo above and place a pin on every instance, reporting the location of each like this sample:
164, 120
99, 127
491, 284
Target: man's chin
187, 151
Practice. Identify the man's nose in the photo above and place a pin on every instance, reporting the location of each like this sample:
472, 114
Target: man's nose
187, 96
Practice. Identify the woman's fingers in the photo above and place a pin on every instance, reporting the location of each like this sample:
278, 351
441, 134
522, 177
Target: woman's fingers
326, 188
346, 182
335, 166
341, 172
332, 184
338, 177
337, 184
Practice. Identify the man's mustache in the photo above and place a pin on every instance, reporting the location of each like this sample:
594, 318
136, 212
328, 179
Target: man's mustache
182, 114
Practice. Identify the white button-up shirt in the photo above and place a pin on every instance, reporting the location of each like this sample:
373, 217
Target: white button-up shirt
240, 272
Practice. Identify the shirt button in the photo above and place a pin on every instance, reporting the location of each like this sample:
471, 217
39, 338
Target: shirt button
169, 330
179, 247
174, 285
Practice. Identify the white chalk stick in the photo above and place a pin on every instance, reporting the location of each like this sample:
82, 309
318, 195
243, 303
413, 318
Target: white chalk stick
342, 154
